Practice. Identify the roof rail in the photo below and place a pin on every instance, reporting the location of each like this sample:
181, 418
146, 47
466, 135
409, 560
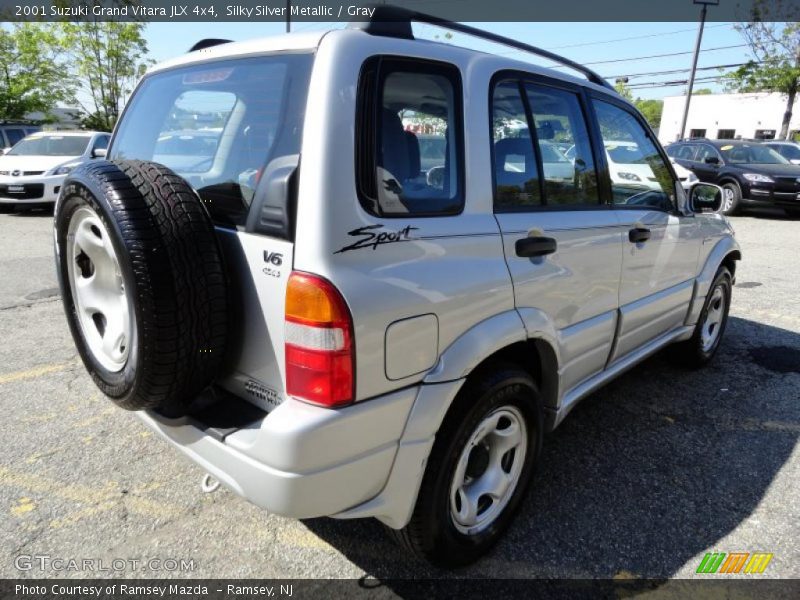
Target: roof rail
208, 43
394, 21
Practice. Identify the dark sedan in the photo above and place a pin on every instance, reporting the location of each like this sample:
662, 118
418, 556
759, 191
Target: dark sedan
750, 173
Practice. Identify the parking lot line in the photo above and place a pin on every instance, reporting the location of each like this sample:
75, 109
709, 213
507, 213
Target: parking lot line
33, 373
101, 499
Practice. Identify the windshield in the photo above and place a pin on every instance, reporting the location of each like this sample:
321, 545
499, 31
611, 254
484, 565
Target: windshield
51, 145
751, 154
218, 125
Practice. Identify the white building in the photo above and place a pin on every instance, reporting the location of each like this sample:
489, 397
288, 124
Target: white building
727, 116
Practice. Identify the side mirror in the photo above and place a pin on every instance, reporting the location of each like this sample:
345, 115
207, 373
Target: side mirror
99, 153
705, 196
711, 160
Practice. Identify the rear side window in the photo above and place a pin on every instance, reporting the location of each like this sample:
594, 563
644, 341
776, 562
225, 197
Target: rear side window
218, 125
516, 170
561, 127
409, 139
541, 150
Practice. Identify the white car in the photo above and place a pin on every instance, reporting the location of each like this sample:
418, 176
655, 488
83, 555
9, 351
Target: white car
31, 173
685, 176
628, 167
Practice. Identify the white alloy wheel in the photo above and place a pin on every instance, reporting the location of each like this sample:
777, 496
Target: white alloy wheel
488, 470
103, 308
713, 321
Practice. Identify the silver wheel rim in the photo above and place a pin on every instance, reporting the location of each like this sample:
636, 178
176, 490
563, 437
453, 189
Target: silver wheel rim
488, 470
714, 317
102, 307
727, 199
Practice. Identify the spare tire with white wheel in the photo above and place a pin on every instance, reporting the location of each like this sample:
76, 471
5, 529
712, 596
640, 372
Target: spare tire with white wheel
142, 282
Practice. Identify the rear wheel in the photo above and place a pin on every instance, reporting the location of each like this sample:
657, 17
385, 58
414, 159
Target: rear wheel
731, 198
479, 469
142, 283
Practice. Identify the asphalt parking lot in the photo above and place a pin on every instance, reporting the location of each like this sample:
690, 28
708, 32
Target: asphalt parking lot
642, 479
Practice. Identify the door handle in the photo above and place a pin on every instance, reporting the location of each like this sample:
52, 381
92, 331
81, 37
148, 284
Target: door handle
638, 235
535, 246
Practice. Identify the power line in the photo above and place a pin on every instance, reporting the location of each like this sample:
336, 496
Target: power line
673, 71
635, 58
657, 84
635, 37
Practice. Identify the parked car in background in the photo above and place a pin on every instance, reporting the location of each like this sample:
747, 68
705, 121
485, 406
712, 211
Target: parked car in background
11, 133
31, 172
788, 150
750, 173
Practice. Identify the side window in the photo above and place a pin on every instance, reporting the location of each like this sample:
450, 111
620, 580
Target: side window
409, 144
639, 175
686, 152
516, 173
705, 152
561, 129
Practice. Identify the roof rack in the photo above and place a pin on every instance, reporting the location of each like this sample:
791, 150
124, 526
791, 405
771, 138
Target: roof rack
394, 21
208, 43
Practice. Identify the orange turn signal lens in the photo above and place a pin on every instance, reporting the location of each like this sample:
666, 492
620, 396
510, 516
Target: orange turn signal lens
313, 300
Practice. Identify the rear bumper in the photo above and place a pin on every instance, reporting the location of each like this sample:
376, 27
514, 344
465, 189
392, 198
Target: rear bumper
305, 461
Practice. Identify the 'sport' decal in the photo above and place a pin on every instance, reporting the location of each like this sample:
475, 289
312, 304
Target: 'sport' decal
370, 237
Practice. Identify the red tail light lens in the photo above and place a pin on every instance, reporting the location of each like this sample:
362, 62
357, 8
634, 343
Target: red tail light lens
319, 342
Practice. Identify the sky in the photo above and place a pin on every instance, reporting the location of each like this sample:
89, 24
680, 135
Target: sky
582, 42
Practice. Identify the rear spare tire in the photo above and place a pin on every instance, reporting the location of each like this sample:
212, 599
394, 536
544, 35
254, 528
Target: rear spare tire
142, 281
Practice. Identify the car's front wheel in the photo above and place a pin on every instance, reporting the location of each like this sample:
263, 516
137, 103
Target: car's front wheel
731, 198
479, 468
704, 343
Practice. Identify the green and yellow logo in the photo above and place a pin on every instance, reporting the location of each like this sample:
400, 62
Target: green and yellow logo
735, 562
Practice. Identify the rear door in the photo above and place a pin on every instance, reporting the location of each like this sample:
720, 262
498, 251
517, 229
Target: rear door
557, 202
660, 245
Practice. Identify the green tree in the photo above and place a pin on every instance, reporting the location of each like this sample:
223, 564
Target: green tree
702, 92
32, 70
106, 60
774, 41
621, 85
651, 110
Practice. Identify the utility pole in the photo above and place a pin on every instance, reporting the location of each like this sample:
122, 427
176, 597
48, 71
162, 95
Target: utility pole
288, 16
705, 4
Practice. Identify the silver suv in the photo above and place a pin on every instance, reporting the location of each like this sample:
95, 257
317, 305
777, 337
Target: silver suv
338, 271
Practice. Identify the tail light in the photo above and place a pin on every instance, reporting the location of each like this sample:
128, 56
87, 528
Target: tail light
319, 342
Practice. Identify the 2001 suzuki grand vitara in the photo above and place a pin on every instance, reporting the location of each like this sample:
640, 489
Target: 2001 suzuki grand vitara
355, 274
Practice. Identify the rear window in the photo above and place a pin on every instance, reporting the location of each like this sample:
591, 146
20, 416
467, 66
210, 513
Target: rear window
218, 125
